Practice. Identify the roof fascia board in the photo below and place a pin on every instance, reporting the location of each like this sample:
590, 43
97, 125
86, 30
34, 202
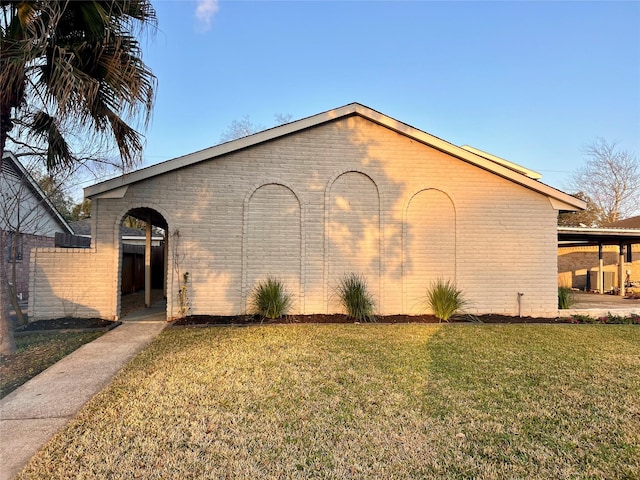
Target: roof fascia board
118, 192
216, 151
38, 191
560, 205
341, 112
514, 166
600, 231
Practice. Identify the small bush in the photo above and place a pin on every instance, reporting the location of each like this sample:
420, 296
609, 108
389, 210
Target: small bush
565, 298
444, 299
618, 319
355, 298
586, 319
270, 298
608, 319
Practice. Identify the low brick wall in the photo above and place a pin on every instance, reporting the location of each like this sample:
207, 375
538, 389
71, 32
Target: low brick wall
76, 282
29, 243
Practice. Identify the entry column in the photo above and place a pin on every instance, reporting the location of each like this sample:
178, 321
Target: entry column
147, 265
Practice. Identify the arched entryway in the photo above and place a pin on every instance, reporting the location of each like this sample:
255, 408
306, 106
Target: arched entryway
143, 257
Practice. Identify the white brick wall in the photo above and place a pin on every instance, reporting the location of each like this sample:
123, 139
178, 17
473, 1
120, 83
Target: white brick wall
344, 196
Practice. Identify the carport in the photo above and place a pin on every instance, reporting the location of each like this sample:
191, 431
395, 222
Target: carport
587, 236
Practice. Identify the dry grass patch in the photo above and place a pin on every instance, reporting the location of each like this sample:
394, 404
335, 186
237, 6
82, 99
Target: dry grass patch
364, 401
35, 353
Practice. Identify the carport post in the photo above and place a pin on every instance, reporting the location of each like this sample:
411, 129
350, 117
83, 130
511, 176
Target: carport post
621, 270
147, 265
600, 286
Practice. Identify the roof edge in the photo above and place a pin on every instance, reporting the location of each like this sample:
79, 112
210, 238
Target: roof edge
603, 230
513, 172
34, 185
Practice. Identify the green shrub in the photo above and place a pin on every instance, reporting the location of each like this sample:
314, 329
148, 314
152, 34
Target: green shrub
444, 299
355, 297
565, 298
270, 298
609, 319
617, 319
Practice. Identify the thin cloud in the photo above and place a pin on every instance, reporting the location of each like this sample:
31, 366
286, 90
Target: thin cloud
205, 11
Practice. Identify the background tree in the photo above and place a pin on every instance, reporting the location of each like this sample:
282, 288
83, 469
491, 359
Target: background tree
55, 191
71, 66
240, 128
81, 210
590, 217
610, 183
245, 127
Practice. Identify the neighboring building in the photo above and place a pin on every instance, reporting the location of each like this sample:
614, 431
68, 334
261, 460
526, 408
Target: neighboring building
130, 236
348, 190
632, 223
617, 244
27, 220
133, 255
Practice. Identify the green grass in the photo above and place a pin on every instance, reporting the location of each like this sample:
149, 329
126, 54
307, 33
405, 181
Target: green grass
35, 353
364, 401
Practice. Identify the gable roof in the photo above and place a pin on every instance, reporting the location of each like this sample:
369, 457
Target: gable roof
10, 161
116, 187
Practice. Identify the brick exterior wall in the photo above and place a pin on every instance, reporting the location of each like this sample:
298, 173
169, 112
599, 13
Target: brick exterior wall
574, 263
29, 242
348, 195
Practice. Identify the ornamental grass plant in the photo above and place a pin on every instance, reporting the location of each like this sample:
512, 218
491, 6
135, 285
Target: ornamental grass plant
565, 298
270, 298
355, 297
444, 299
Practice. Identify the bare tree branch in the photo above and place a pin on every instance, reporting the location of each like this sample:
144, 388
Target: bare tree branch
610, 179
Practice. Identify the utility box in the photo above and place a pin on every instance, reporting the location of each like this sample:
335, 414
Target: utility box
608, 281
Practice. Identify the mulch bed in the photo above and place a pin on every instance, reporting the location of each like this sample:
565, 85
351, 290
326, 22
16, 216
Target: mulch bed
203, 320
68, 323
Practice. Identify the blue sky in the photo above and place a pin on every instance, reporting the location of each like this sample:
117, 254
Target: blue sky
532, 82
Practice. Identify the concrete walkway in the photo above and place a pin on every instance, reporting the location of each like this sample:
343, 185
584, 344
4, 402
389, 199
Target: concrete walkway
33, 413
596, 305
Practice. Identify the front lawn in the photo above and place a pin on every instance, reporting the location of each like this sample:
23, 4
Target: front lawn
364, 401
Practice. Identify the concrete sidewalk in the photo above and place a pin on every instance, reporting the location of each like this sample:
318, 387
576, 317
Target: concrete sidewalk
597, 305
33, 413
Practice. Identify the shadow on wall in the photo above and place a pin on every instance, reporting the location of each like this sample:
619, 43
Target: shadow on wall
69, 282
63, 302
316, 206
345, 196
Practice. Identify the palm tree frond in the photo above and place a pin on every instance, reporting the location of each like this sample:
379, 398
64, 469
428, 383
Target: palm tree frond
58, 152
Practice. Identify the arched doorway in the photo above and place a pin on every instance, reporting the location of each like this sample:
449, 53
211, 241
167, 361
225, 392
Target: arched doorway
143, 260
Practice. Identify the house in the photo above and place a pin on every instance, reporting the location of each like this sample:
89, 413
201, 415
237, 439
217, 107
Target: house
347, 190
604, 259
28, 220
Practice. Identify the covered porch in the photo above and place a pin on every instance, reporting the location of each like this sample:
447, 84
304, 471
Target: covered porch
623, 238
